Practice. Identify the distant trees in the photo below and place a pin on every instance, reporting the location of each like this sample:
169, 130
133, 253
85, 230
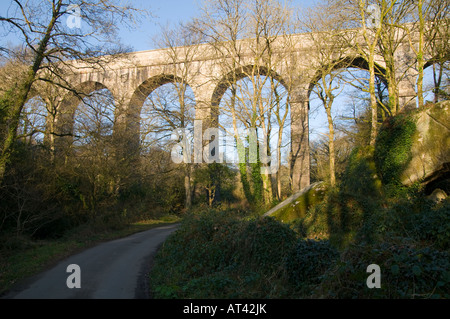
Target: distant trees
177, 113
34, 190
52, 34
259, 92
331, 57
434, 30
394, 40
251, 96
389, 29
217, 181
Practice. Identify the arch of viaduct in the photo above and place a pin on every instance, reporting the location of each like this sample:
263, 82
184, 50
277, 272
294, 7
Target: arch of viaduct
133, 76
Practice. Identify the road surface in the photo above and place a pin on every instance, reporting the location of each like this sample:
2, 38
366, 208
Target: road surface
112, 270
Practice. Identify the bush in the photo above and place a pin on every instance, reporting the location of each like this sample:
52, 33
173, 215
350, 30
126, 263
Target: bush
360, 178
308, 261
418, 273
263, 243
417, 218
406, 272
393, 148
341, 217
346, 213
197, 249
222, 255
435, 225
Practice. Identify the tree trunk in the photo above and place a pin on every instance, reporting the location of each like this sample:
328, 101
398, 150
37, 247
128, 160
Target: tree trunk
187, 186
437, 82
267, 188
392, 85
13, 122
22, 96
332, 156
278, 175
373, 97
420, 59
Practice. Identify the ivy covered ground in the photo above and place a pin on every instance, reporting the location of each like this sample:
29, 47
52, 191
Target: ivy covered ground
370, 217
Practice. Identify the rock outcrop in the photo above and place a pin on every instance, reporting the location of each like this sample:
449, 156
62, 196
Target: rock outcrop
430, 151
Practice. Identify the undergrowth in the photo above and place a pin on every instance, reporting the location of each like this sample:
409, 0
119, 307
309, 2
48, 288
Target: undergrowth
368, 218
223, 255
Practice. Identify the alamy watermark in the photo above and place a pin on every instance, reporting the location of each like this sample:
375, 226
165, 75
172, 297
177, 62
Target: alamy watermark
74, 280
373, 19
374, 280
213, 145
74, 18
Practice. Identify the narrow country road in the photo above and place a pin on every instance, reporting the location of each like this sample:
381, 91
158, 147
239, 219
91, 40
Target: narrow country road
112, 270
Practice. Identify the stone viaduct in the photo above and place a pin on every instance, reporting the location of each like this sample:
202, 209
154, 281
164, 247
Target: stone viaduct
133, 76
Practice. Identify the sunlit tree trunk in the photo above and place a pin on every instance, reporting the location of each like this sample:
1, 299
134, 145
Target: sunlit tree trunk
420, 53
373, 98
332, 154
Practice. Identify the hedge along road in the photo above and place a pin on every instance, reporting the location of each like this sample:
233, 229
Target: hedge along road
113, 270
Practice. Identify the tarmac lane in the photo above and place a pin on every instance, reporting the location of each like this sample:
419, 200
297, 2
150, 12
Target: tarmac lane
112, 270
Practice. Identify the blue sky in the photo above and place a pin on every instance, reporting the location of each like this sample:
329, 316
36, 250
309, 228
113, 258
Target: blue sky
163, 12
167, 12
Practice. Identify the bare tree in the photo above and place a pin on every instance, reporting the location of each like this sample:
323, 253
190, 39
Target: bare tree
436, 39
52, 32
222, 25
430, 25
394, 31
247, 37
174, 109
371, 32
331, 47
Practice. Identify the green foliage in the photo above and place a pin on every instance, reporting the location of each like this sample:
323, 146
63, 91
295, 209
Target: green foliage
371, 220
217, 180
418, 219
257, 183
435, 225
391, 225
245, 183
396, 227
227, 256
308, 262
5, 104
28, 203
263, 242
251, 179
393, 147
406, 272
45, 199
340, 217
344, 214
407, 236
360, 178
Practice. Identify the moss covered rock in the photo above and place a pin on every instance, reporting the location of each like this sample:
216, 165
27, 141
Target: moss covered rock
414, 147
430, 149
298, 204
